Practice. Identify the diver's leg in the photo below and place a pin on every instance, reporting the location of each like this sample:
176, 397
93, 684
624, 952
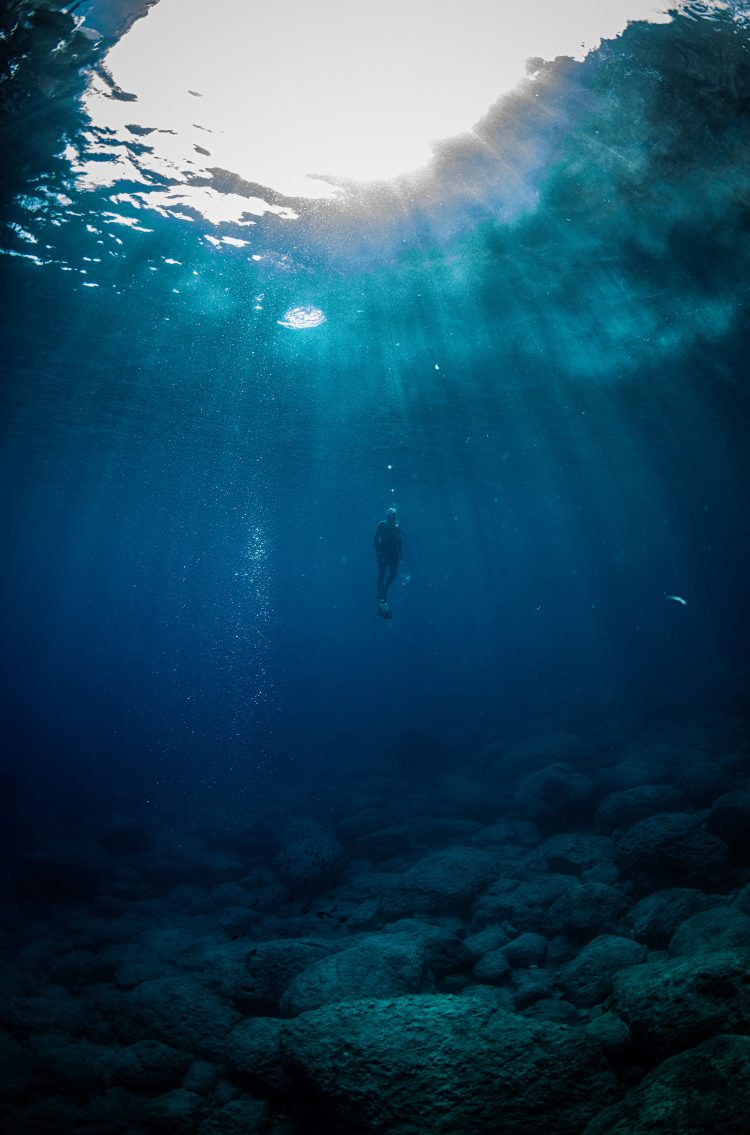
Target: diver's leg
392, 573
381, 575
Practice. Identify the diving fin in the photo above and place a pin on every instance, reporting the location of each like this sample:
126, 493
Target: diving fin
384, 610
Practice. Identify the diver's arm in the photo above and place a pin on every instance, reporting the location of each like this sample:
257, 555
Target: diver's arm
378, 540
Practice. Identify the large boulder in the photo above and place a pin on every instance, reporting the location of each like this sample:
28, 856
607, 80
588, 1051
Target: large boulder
588, 979
443, 1065
673, 1005
587, 909
526, 905
180, 1012
443, 882
672, 849
253, 1057
717, 929
704, 1090
387, 967
572, 853
272, 966
623, 809
148, 1066
444, 951
654, 919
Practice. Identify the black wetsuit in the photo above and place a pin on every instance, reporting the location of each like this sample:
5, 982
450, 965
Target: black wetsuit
388, 550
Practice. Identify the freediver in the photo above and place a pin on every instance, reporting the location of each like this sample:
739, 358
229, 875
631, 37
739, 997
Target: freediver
388, 551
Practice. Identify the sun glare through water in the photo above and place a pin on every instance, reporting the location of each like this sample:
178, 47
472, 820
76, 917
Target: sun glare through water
304, 97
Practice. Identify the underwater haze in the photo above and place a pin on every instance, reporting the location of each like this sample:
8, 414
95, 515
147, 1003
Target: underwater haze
535, 348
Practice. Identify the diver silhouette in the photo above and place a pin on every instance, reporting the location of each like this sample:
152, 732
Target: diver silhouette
388, 551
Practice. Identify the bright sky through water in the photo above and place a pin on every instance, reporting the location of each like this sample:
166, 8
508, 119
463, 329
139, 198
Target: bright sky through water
336, 89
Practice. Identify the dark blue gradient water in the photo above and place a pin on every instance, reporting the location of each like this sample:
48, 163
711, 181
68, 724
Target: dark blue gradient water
537, 353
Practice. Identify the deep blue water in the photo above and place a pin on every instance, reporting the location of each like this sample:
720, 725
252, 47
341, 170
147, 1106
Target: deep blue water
549, 382
241, 816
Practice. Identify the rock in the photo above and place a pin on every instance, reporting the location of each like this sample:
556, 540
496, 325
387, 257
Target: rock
551, 1009
537, 753
149, 1066
507, 835
200, 1078
673, 1005
385, 843
699, 777
445, 1065
165, 869
655, 918
729, 819
350, 830
716, 929
611, 1032
556, 798
492, 968
572, 853
311, 859
240, 1117
742, 899
253, 1056
670, 849
174, 1112
79, 969
623, 809
706, 1089
526, 950
180, 1012
525, 905
391, 966
638, 769
74, 1067
265, 894
491, 938
587, 980
444, 951
53, 1011
586, 909
497, 996
272, 967
530, 986
442, 882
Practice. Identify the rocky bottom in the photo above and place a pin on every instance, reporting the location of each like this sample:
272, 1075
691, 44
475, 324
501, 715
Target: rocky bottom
551, 937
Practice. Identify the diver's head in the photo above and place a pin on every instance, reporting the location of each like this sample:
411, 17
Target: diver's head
390, 516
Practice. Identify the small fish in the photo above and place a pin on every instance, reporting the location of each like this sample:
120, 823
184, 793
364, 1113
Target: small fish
677, 599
